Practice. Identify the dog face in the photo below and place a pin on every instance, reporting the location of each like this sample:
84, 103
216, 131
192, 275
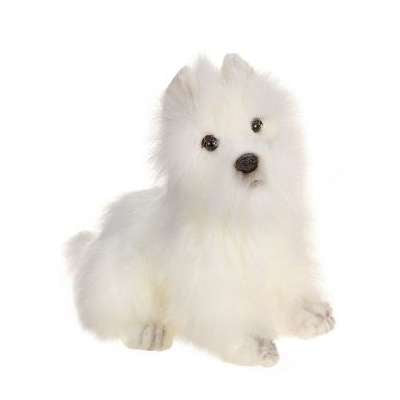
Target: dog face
229, 138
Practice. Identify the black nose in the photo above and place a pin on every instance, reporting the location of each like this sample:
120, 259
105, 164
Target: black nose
247, 163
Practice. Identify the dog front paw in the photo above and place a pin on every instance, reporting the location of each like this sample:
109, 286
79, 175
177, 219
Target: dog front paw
254, 351
148, 337
313, 319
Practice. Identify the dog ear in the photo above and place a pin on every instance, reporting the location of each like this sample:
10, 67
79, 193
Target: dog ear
182, 86
234, 66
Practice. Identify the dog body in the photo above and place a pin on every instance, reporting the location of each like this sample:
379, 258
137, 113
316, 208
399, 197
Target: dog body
219, 254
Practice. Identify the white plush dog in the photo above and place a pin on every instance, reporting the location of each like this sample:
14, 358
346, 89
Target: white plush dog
219, 254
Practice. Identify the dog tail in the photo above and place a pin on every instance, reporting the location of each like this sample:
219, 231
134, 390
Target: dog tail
76, 248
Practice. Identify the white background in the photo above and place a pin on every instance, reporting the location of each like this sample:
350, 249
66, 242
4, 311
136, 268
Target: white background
79, 84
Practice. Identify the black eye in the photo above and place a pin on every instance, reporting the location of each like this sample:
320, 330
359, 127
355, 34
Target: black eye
256, 125
209, 142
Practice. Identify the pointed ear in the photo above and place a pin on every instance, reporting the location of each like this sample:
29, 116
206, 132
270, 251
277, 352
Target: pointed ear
233, 66
182, 86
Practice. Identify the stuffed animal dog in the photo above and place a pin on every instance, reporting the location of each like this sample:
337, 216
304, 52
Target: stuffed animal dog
219, 254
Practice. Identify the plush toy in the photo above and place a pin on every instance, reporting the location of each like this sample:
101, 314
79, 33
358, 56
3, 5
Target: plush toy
218, 254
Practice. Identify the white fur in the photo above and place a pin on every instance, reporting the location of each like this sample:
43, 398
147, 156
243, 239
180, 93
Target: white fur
212, 256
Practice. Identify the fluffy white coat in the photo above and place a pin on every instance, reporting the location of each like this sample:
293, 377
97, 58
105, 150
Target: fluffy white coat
214, 256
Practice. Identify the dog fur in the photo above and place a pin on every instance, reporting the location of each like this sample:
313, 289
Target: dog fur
213, 256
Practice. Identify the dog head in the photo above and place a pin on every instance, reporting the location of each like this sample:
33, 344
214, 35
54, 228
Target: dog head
229, 139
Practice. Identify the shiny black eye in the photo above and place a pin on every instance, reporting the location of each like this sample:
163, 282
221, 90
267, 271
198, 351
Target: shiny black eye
209, 142
256, 125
